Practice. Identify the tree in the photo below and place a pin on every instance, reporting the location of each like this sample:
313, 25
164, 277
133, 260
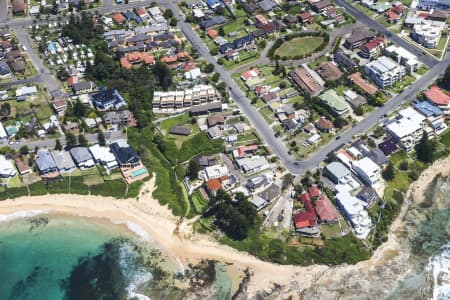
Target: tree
168, 14
5, 110
339, 122
221, 31
209, 68
62, 74
58, 145
424, 149
164, 74
359, 111
79, 109
403, 166
82, 141
444, 81
71, 140
101, 139
24, 150
193, 169
215, 77
389, 172
173, 22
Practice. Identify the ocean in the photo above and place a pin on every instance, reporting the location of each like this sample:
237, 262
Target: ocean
54, 257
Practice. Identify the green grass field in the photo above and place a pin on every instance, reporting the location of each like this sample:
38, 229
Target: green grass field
299, 46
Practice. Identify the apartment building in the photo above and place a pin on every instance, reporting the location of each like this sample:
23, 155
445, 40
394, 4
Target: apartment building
385, 72
433, 4
306, 81
368, 171
404, 57
428, 33
407, 128
199, 94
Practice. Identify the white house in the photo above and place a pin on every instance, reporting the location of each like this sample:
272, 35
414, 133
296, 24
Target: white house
104, 156
26, 91
6, 168
3, 133
253, 164
216, 171
367, 170
354, 212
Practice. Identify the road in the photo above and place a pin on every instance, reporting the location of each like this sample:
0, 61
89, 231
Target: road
50, 82
362, 17
3, 11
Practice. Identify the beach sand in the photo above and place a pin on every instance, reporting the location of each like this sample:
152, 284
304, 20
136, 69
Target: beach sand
189, 247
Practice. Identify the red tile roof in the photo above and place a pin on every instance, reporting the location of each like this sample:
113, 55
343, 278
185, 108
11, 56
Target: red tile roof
212, 33
141, 12
261, 19
392, 15
246, 75
314, 191
305, 219
119, 18
363, 84
214, 185
324, 124
325, 210
398, 9
245, 149
72, 80
437, 96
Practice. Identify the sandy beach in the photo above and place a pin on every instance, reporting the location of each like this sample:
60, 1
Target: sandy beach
180, 241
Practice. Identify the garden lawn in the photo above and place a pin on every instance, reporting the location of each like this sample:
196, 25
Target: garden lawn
169, 123
445, 139
299, 46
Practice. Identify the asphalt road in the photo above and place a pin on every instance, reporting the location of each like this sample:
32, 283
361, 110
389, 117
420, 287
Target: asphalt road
277, 146
4, 10
50, 82
362, 17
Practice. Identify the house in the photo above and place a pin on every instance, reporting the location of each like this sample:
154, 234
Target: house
213, 185
108, 99
324, 125
121, 118
438, 15
433, 4
207, 161
214, 120
355, 100
249, 7
212, 34
26, 91
267, 5
322, 5
46, 164
249, 74
83, 87
60, 106
104, 156
82, 157
290, 19
368, 171
358, 37
253, 164
22, 165
213, 22
407, 129
368, 196
136, 59
63, 160
6, 168
354, 212
325, 210
337, 172
125, 155
213, 4
329, 71
346, 62
335, 102
261, 19
428, 33
314, 191
181, 130
214, 133
437, 97
306, 81
306, 222
363, 84
388, 147
244, 151
5, 71
269, 97
72, 80
257, 182
373, 49
18, 7
119, 18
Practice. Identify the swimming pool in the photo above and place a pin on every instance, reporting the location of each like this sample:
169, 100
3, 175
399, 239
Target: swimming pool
139, 172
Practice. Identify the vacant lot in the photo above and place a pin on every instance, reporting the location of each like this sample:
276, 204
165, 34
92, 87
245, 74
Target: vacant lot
301, 46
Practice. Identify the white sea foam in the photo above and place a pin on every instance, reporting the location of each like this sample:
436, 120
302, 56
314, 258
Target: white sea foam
22, 214
439, 268
136, 229
134, 274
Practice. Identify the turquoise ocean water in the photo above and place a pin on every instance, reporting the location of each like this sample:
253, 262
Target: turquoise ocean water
55, 257
36, 256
